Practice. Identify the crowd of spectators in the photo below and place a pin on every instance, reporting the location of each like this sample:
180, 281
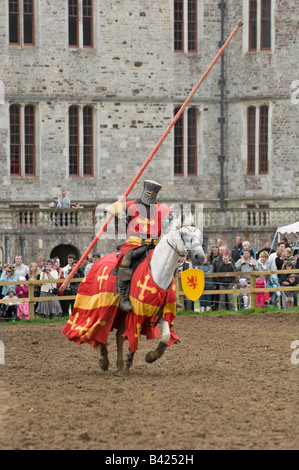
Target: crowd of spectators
244, 259
241, 259
41, 269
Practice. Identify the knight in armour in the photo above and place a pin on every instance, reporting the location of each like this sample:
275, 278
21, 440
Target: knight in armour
145, 220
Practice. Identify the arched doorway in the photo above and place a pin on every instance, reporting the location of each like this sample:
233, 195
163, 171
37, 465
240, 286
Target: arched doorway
62, 252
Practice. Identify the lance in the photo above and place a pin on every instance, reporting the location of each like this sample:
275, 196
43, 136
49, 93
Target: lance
151, 155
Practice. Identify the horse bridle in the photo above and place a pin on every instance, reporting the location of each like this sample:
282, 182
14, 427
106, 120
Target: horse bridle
183, 240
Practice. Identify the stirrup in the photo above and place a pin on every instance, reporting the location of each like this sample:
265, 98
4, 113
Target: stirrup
125, 305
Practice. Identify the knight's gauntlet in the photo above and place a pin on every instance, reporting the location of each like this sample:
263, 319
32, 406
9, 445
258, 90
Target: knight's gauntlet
116, 209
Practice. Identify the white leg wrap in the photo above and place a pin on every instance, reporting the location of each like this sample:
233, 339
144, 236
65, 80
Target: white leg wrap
165, 334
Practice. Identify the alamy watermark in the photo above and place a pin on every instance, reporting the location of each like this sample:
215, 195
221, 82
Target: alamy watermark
295, 353
2, 353
117, 228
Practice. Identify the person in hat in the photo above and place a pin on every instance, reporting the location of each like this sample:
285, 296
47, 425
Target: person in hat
9, 275
144, 221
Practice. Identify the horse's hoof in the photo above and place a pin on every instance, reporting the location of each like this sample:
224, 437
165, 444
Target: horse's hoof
120, 365
104, 365
151, 356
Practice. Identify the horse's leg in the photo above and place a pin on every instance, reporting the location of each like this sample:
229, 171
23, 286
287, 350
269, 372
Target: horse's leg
103, 360
152, 356
129, 360
120, 343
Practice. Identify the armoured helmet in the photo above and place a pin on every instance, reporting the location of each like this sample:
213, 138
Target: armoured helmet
150, 192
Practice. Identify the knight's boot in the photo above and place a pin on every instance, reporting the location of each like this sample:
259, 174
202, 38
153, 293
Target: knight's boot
124, 278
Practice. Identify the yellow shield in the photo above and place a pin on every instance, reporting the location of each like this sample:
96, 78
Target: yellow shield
193, 283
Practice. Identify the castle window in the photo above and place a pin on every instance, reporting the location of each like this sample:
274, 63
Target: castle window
21, 22
259, 25
22, 141
80, 23
185, 25
74, 141
88, 141
29, 144
81, 151
257, 140
185, 143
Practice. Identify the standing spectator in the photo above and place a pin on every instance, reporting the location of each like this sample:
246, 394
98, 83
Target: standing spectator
86, 264
273, 282
279, 253
65, 203
285, 241
9, 275
279, 260
21, 268
226, 282
67, 269
215, 264
237, 249
246, 264
205, 301
52, 307
266, 248
260, 296
289, 255
23, 307
95, 257
74, 286
289, 298
63, 302
55, 204
263, 263
214, 253
32, 276
40, 264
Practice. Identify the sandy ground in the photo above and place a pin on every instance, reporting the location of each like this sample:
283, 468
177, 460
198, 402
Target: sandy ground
229, 384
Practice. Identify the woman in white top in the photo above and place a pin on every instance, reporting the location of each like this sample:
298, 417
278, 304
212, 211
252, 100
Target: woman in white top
48, 308
263, 263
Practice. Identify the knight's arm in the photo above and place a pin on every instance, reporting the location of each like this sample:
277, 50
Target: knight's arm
118, 209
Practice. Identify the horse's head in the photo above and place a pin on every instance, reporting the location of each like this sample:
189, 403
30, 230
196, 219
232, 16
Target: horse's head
188, 241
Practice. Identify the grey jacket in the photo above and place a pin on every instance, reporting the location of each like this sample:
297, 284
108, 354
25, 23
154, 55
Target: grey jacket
244, 266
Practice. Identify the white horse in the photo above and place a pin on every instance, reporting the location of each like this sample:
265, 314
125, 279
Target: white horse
180, 240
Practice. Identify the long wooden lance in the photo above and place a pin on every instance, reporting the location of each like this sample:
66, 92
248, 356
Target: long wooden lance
149, 158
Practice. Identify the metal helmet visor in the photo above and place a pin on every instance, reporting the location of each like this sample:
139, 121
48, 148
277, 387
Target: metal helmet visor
150, 192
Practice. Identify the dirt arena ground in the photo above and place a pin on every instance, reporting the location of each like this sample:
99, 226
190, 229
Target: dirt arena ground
229, 384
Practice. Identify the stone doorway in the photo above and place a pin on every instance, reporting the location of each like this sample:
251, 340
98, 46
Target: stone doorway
62, 252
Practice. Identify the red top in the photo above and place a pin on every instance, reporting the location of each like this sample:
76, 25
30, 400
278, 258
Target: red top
140, 225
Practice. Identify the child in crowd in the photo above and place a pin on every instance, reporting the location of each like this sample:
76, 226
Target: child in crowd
260, 297
23, 307
288, 297
9, 311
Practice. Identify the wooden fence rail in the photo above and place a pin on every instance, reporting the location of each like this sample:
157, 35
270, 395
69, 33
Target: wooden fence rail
252, 290
31, 299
